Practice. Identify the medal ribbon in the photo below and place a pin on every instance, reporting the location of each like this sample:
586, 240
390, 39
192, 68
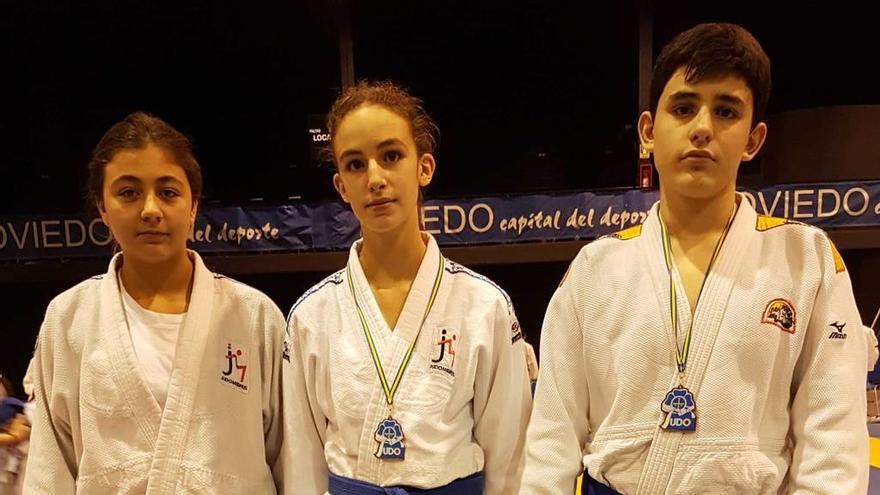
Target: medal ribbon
681, 351
391, 391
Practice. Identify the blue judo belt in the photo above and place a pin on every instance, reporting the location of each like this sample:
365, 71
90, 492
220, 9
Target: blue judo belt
589, 486
340, 485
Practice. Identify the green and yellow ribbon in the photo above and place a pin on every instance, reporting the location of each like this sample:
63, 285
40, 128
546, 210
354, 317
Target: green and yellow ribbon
391, 391
681, 352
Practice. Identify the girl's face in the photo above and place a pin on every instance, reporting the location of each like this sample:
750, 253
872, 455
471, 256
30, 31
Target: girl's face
379, 171
148, 205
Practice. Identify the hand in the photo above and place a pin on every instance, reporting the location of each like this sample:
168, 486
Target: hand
19, 428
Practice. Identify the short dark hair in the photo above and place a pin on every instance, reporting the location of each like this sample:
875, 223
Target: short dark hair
711, 50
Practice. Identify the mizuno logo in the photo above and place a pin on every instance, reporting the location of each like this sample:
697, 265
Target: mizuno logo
838, 332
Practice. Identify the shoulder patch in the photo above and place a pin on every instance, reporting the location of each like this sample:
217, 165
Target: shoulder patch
515, 332
839, 266
628, 233
765, 223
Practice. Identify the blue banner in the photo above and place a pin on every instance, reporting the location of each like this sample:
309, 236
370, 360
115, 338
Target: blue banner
535, 217
587, 215
487, 220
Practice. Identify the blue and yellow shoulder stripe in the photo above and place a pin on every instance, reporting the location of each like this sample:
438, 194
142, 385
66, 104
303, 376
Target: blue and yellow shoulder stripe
765, 223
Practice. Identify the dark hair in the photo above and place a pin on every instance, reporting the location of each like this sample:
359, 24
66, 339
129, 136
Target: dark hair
711, 50
392, 97
135, 132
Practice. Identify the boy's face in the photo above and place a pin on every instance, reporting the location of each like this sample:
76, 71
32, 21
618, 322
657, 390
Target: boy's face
700, 134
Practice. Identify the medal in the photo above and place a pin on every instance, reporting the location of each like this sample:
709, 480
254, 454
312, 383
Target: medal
679, 406
680, 410
389, 432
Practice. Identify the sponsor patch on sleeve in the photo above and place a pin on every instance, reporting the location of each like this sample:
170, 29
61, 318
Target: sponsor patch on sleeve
515, 332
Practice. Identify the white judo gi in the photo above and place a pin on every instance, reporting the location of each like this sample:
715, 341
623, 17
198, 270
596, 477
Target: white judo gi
99, 429
463, 402
777, 368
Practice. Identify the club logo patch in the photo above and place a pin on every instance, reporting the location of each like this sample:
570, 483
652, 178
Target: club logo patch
780, 313
443, 358
234, 369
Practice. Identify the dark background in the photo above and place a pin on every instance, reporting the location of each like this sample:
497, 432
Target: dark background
529, 96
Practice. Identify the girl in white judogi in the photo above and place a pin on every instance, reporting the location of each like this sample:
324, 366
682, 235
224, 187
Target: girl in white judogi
159, 376
405, 372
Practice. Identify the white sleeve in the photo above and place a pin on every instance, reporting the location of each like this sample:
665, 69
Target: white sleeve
828, 421
273, 326
52, 465
559, 425
502, 402
305, 425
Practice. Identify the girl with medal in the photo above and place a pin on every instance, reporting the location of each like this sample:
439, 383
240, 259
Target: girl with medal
158, 376
405, 372
703, 351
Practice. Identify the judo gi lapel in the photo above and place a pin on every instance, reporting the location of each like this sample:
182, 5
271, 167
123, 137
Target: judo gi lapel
365, 298
419, 296
707, 318
650, 246
381, 337
410, 318
127, 375
398, 350
183, 386
715, 297
715, 293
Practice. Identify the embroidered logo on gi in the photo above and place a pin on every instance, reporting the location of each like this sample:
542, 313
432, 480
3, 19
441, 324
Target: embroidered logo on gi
389, 434
445, 359
679, 408
515, 332
285, 352
235, 373
838, 333
781, 313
